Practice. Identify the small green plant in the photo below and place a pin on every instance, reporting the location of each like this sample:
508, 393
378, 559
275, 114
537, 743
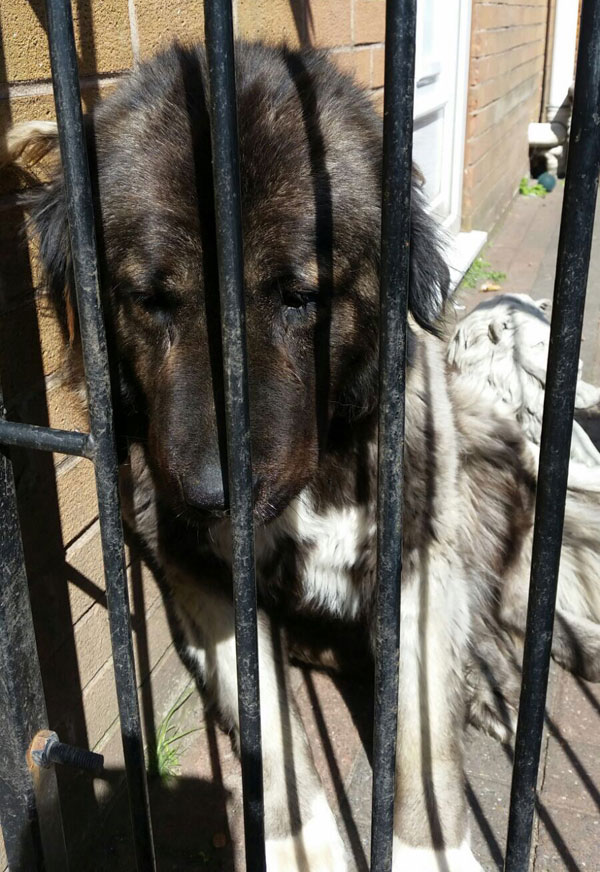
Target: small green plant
529, 190
166, 761
481, 271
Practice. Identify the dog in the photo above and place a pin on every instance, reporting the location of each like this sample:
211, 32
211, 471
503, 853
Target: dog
310, 158
504, 342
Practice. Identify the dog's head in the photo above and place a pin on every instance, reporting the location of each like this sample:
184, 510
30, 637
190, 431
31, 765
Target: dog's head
310, 158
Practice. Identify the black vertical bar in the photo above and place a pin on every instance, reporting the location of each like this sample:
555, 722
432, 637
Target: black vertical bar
574, 248
67, 97
22, 707
226, 173
395, 259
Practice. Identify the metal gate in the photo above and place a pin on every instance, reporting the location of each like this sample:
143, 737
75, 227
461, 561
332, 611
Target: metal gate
32, 832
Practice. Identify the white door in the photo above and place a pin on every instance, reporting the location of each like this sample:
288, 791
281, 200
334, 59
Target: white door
441, 79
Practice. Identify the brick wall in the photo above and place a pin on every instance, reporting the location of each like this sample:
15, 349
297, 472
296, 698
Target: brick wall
505, 80
56, 495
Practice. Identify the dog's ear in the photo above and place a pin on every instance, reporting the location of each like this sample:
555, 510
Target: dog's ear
26, 146
429, 273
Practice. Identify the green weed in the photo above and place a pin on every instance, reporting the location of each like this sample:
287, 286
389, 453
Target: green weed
167, 759
481, 271
529, 190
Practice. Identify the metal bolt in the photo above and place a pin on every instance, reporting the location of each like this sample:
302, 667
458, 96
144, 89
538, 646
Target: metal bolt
46, 749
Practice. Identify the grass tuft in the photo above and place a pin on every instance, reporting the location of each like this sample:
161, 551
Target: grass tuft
481, 271
167, 759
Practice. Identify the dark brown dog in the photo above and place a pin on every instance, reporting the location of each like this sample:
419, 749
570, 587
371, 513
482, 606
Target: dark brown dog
310, 153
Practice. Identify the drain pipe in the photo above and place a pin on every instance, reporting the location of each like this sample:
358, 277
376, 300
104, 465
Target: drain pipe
551, 136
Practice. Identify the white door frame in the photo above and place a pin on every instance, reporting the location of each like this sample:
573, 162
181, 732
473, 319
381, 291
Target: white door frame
441, 83
452, 222
448, 88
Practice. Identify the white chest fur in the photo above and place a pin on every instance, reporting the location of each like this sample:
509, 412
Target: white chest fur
331, 546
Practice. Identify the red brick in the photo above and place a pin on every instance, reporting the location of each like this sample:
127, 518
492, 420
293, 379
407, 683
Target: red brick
84, 560
492, 197
488, 42
324, 23
489, 16
357, 62
482, 69
378, 66
485, 93
377, 97
40, 107
332, 22
20, 272
58, 406
369, 21
36, 343
526, 92
158, 23
99, 696
102, 36
492, 163
272, 21
55, 505
512, 128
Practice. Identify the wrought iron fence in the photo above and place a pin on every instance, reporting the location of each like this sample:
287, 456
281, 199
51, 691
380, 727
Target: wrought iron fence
29, 810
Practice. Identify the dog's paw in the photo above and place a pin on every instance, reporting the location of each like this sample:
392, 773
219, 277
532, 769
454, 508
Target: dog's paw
407, 858
316, 848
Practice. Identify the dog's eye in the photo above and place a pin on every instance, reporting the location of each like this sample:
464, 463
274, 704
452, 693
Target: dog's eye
298, 307
299, 299
158, 303
294, 295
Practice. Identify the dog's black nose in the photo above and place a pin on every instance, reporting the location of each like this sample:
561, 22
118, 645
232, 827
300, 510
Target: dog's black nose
206, 491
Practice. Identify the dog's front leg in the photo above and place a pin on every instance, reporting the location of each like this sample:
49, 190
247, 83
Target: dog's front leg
300, 829
430, 826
